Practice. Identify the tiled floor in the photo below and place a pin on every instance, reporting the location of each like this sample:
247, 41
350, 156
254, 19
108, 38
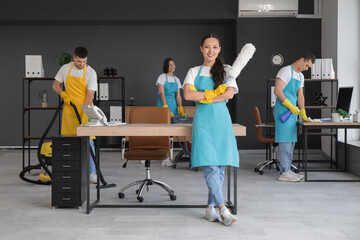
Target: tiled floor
267, 208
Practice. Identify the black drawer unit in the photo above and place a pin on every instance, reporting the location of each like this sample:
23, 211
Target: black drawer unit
70, 169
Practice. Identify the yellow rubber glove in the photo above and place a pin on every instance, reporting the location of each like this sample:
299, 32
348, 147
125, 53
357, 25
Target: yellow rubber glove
292, 108
84, 119
181, 111
192, 87
303, 115
65, 97
166, 106
210, 94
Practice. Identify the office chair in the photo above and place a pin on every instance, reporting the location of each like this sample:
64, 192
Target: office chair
149, 148
271, 158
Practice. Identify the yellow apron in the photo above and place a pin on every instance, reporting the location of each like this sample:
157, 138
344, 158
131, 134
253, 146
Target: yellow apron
76, 88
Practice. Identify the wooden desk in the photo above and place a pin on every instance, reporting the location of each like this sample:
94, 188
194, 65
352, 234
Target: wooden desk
156, 130
331, 125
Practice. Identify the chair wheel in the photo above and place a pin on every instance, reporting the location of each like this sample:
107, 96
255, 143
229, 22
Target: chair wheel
261, 172
140, 199
172, 197
121, 195
277, 168
174, 166
196, 169
137, 191
256, 169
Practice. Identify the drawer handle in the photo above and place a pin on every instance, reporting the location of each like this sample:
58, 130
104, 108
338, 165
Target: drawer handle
66, 155
66, 166
66, 177
65, 199
66, 144
66, 188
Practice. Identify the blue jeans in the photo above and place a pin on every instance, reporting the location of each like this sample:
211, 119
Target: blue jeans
285, 156
214, 177
92, 164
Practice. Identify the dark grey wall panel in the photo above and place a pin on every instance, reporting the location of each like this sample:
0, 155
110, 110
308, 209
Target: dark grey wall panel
45, 11
136, 51
287, 36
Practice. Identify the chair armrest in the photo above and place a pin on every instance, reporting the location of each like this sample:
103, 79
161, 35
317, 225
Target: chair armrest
266, 125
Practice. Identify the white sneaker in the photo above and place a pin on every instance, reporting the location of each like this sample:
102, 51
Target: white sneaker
142, 161
93, 178
227, 217
289, 176
167, 163
211, 214
300, 176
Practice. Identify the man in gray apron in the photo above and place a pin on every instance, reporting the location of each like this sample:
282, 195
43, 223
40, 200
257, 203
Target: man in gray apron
289, 91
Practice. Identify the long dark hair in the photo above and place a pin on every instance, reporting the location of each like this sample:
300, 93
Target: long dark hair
166, 64
217, 70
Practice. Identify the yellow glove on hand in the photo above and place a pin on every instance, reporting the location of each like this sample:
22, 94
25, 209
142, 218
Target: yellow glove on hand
166, 106
303, 115
181, 111
84, 119
292, 108
210, 94
65, 97
192, 87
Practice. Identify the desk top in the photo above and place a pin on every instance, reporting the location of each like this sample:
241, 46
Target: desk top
147, 130
328, 124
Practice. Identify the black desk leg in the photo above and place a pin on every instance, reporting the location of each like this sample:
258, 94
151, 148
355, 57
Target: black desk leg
235, 190
305, 151
345, 150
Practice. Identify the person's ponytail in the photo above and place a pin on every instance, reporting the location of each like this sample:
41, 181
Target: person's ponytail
218, 72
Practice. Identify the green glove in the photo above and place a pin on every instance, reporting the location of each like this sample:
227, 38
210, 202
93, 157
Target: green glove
303, 115
166, 106
289, 105
181, 111
65, 97
210, 94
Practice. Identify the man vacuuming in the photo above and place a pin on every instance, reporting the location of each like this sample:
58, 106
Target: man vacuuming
80, 82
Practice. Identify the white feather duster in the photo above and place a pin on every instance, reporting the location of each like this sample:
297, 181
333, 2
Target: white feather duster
242, 59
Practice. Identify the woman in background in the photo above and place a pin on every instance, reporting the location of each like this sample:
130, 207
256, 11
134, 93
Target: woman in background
169, 86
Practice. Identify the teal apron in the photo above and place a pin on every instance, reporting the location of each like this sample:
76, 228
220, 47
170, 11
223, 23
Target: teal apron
213, 139
287, 131
170, 90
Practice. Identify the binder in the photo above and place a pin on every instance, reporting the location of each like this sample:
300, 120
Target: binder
115, 114
313, 71
34, 66
273, 97
106, 91
318, 67
101, 91
327, 68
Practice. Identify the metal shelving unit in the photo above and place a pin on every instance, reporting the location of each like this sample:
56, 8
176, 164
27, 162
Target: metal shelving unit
113, 100
26, 115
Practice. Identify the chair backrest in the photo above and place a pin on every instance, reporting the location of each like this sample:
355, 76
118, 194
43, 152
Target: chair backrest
258, 122
149, 115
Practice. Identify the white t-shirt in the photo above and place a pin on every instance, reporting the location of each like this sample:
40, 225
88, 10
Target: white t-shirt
205, 71
90, 75
285, 75
162, 79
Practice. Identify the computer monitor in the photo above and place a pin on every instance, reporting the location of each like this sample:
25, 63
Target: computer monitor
344, 98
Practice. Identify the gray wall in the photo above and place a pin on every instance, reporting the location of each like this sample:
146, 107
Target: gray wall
135, 37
